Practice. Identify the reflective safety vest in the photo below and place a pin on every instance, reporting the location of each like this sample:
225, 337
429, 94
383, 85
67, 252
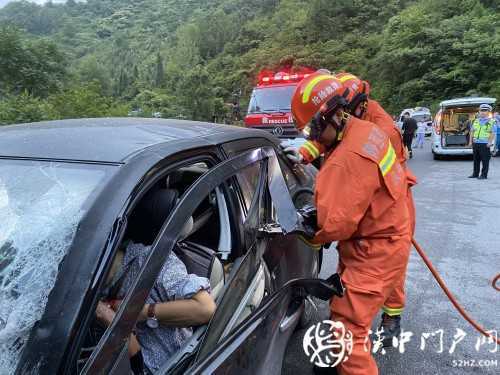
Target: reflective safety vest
482, 132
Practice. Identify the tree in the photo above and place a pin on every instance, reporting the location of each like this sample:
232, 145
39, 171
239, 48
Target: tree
159, 77
35, 66
24, 108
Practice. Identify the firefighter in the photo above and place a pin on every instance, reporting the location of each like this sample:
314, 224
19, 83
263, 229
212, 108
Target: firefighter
362, 107
360, 197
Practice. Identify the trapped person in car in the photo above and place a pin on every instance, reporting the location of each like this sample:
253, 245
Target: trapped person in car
177, 302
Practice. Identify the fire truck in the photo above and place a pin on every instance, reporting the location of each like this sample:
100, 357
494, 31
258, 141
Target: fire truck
270, 104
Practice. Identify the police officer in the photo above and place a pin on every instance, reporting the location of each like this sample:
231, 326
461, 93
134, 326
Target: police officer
483, 129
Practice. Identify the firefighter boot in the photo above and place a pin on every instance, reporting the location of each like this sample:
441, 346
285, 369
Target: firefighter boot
391, 328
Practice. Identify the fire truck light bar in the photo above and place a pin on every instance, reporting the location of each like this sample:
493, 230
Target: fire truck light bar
281, 77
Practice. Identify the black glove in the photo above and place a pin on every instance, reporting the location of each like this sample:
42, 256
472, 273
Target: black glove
309, 220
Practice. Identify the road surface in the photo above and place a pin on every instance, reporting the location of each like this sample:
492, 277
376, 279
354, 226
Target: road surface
458, 224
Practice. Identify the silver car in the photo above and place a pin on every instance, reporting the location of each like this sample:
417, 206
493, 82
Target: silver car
452, 124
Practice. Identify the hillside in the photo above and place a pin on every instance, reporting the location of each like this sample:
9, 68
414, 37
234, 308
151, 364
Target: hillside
186, 58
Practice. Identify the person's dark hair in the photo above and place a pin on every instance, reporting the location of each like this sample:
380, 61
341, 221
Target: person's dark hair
150, 214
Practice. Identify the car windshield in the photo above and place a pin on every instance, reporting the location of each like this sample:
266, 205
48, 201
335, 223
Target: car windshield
41, 204
422, 117
271, 99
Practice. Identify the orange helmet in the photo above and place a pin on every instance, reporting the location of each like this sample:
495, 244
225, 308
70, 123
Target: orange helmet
358, 90
318, 93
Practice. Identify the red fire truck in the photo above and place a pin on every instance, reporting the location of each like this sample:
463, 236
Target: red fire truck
269, 107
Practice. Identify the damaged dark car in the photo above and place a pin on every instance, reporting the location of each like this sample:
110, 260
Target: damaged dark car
72, 192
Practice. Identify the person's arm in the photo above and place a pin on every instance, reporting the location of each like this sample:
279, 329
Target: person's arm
106, 314
471, 134
344, 192
195, 311
491, 138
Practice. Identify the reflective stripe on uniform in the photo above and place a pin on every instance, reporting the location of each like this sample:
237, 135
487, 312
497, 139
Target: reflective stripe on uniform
312, 149
310, 86
347, 77
391, 311
388, 160
314, 246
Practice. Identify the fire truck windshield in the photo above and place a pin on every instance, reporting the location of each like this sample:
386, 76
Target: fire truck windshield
271, 99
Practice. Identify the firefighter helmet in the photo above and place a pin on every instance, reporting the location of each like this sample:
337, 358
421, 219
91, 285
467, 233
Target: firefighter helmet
319, 93
358, 90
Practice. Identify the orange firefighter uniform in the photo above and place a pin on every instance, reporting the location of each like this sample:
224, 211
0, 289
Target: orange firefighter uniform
361, 202
311, 150
376, 114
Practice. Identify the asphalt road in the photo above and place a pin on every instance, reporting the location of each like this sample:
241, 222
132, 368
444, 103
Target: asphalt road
458, 224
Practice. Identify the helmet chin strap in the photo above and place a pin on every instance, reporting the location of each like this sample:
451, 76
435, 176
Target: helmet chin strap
344, 117
364, 106
339, 127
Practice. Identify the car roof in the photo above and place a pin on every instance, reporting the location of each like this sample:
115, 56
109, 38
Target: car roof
467, 101
415, 110
109, 140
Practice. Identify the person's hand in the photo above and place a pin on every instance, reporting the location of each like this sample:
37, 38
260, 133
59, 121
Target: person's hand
143, 315
292, 153
115, 304
104, 312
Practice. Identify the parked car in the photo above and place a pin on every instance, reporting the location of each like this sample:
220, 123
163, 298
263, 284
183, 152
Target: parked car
421, 115
71, 193
452, 123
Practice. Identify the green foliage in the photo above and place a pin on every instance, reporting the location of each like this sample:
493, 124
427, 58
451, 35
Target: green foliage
84, 101
24, 108
186, 59
36, 66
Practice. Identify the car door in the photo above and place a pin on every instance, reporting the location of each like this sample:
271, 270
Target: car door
256, 344
254, 347
110, 355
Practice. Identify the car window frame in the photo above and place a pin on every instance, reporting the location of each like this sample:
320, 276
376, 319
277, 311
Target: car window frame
117, 333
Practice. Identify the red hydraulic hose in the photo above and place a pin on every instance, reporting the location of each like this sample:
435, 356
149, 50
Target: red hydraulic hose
495, 282
450, 296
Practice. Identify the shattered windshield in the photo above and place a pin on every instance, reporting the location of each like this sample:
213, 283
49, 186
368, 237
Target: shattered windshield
271, 99
41, 204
